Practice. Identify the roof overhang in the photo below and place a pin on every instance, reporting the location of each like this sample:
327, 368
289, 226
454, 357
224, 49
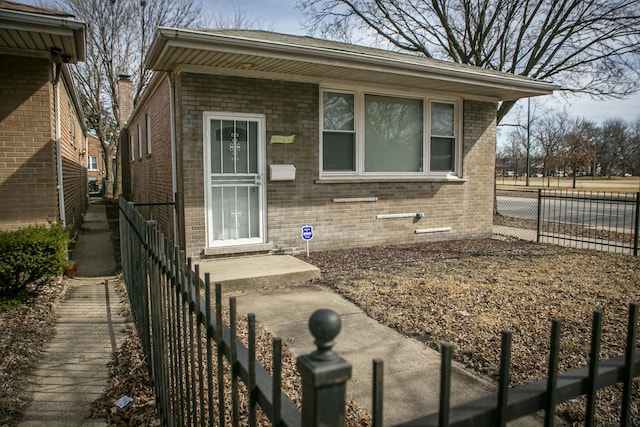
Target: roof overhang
277, 56
35, 32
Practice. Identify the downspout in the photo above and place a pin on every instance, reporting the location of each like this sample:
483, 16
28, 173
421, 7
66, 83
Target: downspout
86, 168
174, 156
58, 136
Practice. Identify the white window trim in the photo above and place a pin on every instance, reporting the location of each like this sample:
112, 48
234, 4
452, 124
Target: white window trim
132, 148
139, 142
89, 163
148, 132
359, 173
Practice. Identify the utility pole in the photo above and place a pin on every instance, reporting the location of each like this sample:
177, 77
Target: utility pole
528, 139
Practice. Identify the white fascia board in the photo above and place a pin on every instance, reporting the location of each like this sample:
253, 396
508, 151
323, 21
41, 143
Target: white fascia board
323, 81
272, 49
54, 25
12, 19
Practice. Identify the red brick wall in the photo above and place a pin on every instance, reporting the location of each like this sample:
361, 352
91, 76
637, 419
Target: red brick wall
27, 146
28, 171
74, 159
150, 173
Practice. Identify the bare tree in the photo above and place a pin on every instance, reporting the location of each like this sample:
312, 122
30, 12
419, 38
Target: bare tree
614, 136
618, 135
516, 149
524, 119
118, 35
577, 145
239, 19
634, 147
548, 133
587, 46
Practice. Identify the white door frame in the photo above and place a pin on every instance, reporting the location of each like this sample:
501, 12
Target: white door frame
261, 166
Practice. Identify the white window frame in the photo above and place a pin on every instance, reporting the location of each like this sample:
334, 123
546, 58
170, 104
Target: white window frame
147, 117
90, 163
139, 142
359, 119
132, 147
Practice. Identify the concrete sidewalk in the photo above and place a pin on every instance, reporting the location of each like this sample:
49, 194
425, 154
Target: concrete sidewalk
74, 372
411, 369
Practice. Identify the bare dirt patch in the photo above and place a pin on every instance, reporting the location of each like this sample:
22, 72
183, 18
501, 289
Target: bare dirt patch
465, 293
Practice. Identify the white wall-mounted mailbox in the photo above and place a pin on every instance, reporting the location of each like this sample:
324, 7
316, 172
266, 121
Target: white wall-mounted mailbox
282, 172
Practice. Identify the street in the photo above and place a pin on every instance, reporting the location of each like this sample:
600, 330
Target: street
593, 213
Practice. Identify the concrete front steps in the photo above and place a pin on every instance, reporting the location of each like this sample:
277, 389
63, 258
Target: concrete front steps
257, 272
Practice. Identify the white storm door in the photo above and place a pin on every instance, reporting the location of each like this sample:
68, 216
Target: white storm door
234, 169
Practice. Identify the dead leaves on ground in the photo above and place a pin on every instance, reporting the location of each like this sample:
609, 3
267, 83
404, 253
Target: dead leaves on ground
128, 376
24, 332
466, 293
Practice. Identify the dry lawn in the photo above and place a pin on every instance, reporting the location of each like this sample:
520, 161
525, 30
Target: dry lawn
465, 293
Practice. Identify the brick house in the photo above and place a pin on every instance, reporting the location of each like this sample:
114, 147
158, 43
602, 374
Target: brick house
256, 134
95, 166
43, 164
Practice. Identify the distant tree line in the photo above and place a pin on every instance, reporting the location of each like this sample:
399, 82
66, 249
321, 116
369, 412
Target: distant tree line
562, 146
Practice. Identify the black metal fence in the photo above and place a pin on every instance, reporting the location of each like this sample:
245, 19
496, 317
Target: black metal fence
587, 220
513, 403
204, 374
196, 359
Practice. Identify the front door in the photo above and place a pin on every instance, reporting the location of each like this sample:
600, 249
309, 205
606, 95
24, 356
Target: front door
234, 157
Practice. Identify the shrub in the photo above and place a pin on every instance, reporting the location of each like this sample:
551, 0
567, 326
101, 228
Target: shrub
30, 254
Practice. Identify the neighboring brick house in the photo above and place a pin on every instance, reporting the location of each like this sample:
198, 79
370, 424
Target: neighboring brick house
258, 134
95, 166
43, 173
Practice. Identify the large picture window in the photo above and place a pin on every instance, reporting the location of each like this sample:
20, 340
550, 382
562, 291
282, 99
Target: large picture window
393, 134
373, 135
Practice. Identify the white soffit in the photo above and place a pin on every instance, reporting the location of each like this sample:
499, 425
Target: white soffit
34, 34
298, 58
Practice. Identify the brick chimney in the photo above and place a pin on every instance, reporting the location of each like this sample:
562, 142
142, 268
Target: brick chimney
125, 98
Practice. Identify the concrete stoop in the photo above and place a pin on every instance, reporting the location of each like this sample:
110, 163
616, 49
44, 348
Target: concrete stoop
258, 272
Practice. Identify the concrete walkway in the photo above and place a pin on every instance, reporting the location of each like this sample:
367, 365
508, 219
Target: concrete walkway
518, 233
411, 369
74, 372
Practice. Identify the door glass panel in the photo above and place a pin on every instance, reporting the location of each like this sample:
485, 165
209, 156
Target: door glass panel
216, 155
218, 224
230, 217
240, 148
227, 146
236, 200
254, 210
242, 213
253, 147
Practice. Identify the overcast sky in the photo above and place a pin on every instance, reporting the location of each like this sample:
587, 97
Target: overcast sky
282, 16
